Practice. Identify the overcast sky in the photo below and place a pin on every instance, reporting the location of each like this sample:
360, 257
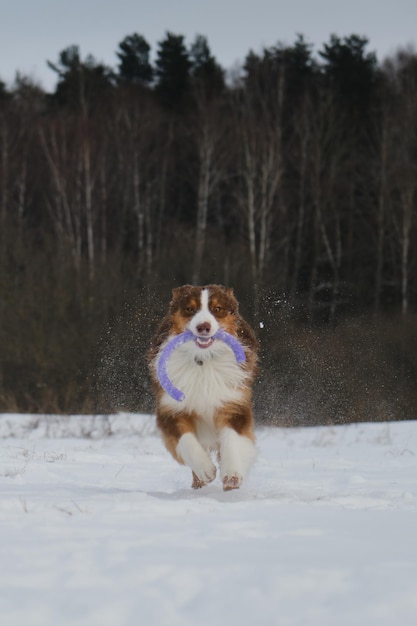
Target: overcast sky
32, 31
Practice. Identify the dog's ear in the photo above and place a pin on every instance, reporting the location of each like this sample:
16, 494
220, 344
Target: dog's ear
227, 290
178, 292
234, 304
230, 301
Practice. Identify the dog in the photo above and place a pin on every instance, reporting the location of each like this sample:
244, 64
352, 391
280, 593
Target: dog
216, 414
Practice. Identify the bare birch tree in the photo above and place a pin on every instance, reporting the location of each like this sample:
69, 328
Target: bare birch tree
210, 138
402, 76
328, 159
63, 209
260, 143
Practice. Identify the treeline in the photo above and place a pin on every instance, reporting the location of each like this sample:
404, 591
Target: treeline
294, 180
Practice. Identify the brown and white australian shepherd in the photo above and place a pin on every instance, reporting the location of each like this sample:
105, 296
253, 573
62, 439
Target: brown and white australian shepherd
216, 414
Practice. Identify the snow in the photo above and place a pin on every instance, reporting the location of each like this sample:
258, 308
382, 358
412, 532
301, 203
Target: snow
99, 526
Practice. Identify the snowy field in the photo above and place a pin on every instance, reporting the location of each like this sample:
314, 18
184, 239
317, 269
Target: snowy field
99, 527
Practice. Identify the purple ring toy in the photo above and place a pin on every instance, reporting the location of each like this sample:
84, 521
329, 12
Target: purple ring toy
177, 341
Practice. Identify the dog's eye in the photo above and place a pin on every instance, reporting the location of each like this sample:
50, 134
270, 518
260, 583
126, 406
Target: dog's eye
190, 309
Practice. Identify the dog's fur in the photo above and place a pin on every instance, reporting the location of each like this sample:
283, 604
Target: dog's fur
216, 414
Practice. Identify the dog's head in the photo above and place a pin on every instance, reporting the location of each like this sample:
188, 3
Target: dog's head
203, 310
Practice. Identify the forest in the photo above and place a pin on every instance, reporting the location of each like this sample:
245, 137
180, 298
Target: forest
292, 178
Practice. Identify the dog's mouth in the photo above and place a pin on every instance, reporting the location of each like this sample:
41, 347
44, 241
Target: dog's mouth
204, 342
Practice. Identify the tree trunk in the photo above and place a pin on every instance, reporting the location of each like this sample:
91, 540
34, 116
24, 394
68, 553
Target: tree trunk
407, 206
380, 218
206, 158
4, 188
88, 199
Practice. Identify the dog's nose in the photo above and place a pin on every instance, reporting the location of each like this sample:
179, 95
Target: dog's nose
204, 328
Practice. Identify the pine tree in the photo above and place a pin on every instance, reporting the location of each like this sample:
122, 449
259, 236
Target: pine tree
134, 65
206, 73
81, 84
3, 91
350, 70
173, 71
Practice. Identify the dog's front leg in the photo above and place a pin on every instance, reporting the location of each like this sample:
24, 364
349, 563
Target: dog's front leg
191, 453
177, 430
237, 454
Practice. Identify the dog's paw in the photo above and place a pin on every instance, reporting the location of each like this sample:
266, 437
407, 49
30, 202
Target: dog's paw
232, 482
197, 483
206, 473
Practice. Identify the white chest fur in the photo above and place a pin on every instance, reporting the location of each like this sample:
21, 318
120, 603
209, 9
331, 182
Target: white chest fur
209, 378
